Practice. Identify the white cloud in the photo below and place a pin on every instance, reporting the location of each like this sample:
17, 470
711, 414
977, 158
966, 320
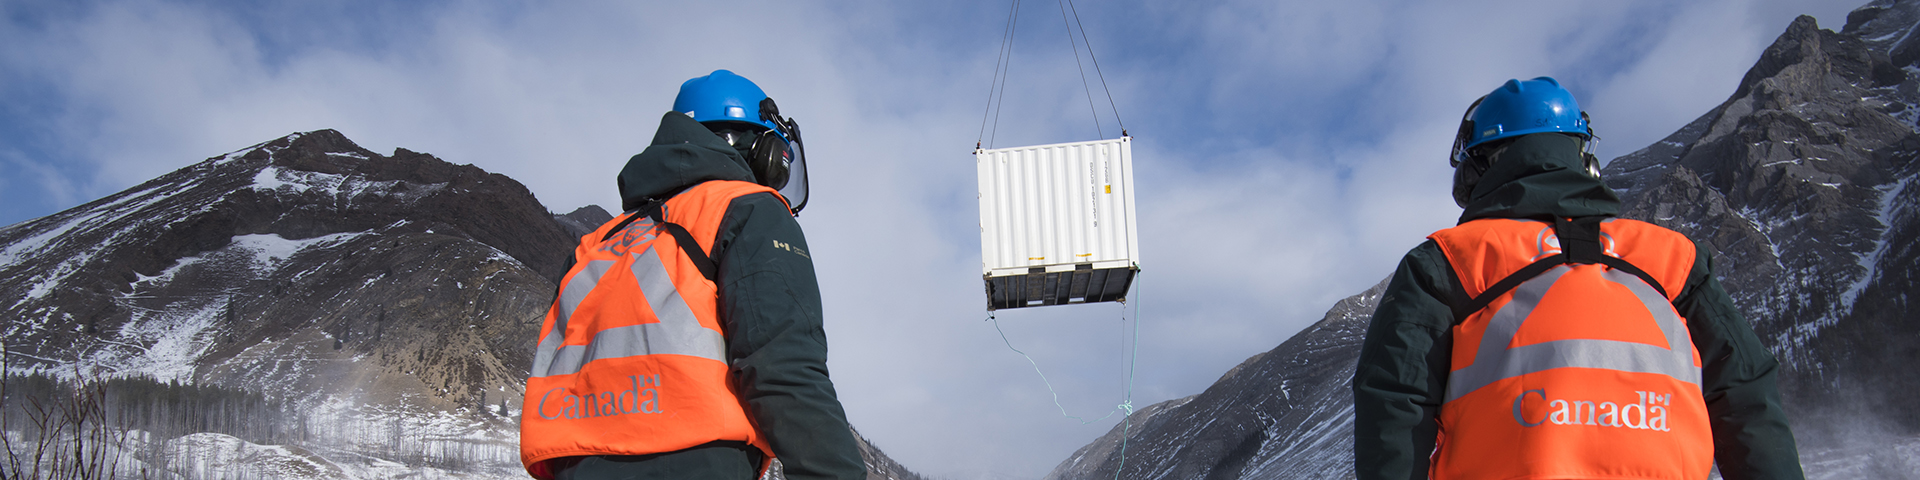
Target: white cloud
1288, 153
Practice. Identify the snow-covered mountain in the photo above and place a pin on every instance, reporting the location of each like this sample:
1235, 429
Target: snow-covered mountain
1802, 182
382, 308
364, 290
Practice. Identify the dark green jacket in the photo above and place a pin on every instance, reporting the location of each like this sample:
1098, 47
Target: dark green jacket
770, 309
1401, 380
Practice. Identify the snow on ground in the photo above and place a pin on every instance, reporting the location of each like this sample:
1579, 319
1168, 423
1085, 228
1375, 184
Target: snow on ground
271, 250
163, 345
346, 441
276, 179
1870, 261
238, 154
1896, 459
166, 344
52, 237
374, 440
90, 217
213, 455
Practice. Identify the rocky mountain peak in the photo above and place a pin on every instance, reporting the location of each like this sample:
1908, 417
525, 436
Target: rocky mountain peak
1819, 58
305, 145
331, 153
584, 220
1888, 25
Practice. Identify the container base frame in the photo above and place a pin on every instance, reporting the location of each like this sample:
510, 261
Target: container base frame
1040, 287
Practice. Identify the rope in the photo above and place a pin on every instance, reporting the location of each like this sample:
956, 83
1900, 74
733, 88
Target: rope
1043, 375
1126, 423
1082, 67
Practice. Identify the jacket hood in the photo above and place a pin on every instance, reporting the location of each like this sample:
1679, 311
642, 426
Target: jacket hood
1540, 176
684, 153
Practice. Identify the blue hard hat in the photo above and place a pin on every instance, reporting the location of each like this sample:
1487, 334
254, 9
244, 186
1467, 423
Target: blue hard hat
723, 96
1519, 108
737, 110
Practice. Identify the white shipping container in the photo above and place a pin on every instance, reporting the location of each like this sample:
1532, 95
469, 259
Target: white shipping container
1057, 223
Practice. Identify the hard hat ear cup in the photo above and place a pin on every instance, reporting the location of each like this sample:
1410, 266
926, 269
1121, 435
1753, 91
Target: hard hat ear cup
769, 160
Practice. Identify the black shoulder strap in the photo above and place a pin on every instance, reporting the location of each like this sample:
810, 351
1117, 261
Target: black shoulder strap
1461, 312
620, 226
1579, 244
657, 211
685, 239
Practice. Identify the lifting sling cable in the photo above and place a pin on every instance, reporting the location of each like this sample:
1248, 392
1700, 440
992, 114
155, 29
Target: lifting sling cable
997, 90
1126, 394
1081, 66
1096, 69
1001, 65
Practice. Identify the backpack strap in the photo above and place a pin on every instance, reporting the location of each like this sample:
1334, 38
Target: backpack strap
656, 210
1579, 244
619, 226
681, 236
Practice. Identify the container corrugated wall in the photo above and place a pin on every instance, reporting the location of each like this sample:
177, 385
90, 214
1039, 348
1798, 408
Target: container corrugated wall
1060, 218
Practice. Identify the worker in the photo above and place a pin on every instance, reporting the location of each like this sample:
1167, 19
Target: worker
686, 340
1543, 337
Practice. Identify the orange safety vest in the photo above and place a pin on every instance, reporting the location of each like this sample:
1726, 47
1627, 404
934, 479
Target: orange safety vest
1571, 362
632, 359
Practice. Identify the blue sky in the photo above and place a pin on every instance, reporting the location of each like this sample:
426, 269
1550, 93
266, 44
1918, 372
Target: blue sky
1287, 151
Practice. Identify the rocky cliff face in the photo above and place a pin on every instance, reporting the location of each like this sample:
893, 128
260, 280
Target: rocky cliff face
1802, 182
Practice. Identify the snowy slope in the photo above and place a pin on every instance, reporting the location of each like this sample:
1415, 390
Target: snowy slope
387, 298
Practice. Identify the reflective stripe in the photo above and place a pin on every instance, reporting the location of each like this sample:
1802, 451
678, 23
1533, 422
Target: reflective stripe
1494, 361
677, 332
667, 305
578, 286
635, 340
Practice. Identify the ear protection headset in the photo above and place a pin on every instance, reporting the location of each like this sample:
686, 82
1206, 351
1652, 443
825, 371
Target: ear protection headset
741, 113
767, 155
768, 152
773, 152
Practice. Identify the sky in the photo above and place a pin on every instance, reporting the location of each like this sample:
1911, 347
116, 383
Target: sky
1286, 152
